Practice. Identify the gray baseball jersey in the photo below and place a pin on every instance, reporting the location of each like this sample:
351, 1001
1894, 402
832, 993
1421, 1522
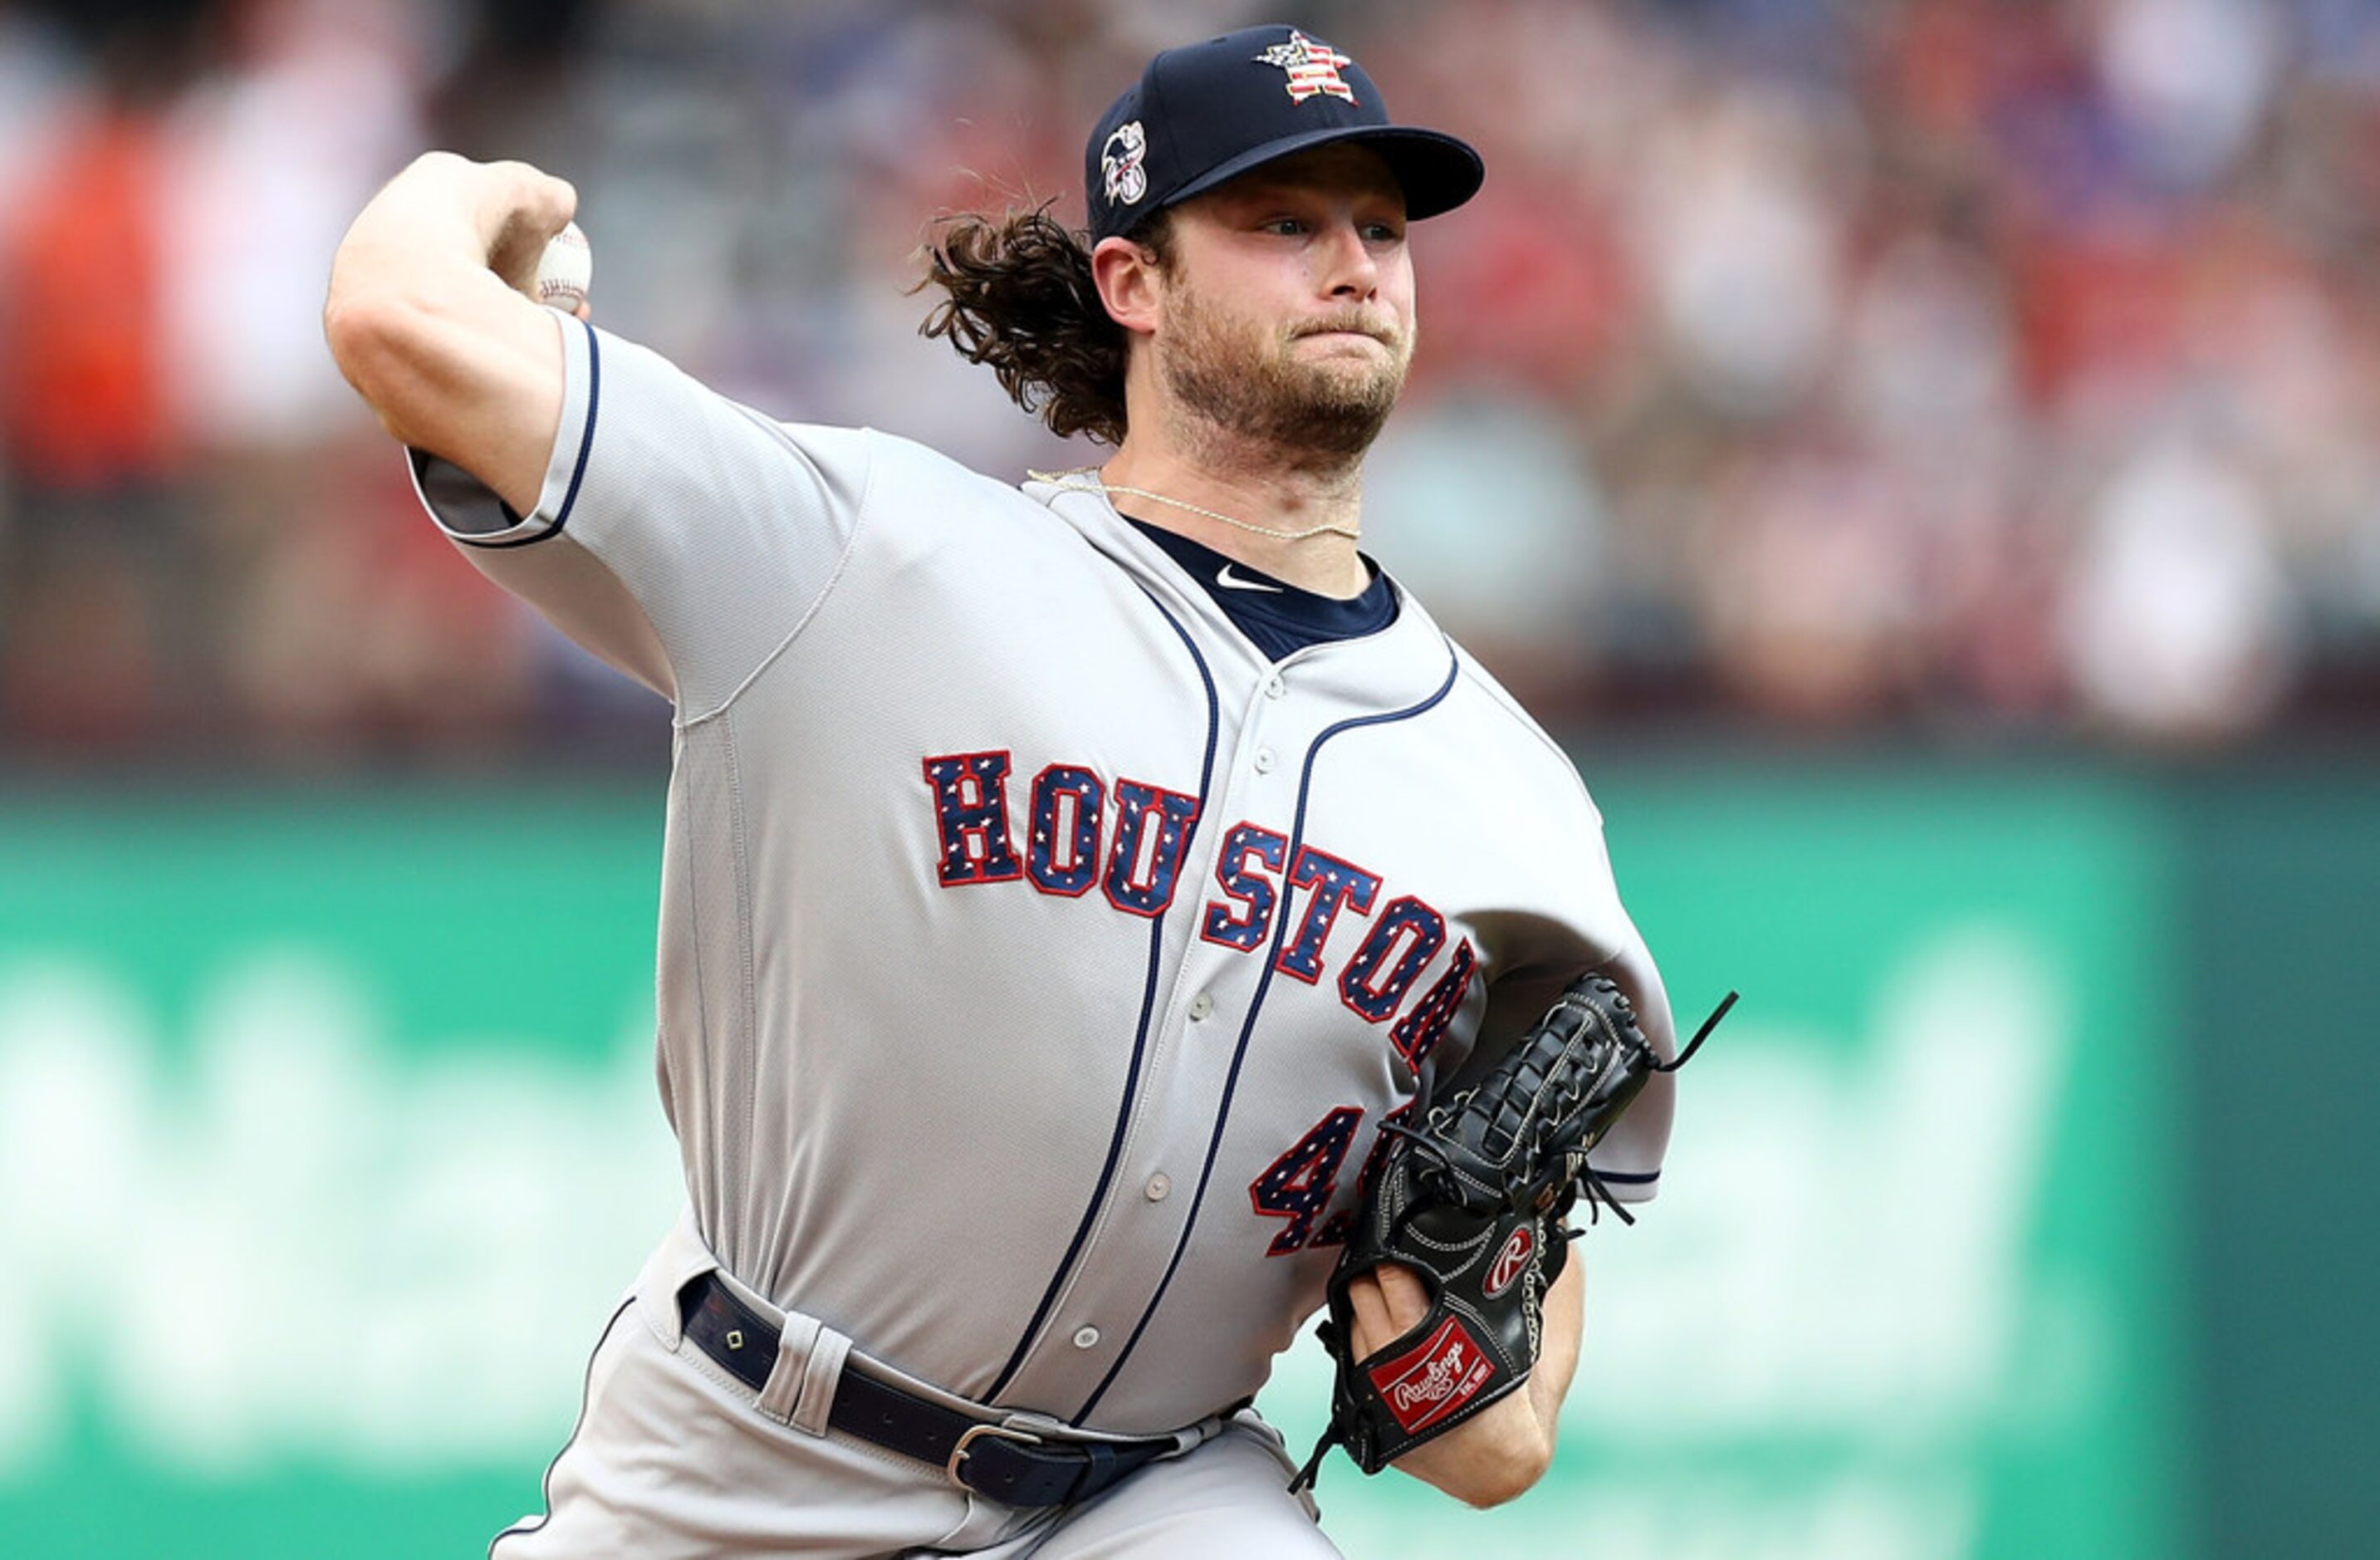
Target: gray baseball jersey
1038, 960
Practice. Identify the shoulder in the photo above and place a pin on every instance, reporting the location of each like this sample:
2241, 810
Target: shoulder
921, 481
1496, 721
1558, 769
662, 416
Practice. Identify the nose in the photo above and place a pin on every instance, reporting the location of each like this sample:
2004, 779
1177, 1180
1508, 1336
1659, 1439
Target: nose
1347, 269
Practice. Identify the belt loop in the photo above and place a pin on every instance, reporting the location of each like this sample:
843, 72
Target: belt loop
1099, 1469
819, 1377
781, 1395
801, 1382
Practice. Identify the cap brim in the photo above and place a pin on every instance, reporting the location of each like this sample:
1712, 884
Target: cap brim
1438, 172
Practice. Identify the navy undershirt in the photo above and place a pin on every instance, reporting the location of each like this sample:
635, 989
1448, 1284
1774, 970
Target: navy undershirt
1281, 620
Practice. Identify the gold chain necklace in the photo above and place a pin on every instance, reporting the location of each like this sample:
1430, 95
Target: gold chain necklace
1090, 482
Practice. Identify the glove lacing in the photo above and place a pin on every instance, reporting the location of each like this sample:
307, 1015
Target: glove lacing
1588, 1181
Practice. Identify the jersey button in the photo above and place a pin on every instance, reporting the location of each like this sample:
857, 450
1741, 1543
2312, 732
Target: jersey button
1263, 761
1200, 1005
1086, 1338
1274, 687
1158, 1185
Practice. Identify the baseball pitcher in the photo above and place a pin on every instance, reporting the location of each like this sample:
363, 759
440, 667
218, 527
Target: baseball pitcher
1102, 917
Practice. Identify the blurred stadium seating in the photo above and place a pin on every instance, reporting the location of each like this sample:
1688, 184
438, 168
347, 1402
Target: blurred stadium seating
1983, 373
1919, 454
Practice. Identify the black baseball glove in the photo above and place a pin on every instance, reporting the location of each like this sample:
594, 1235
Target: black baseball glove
1475, 1200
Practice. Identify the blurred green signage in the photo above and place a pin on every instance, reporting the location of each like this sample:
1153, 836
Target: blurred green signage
328, 1136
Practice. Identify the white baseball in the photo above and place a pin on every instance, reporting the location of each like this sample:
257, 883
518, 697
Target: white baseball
565, 270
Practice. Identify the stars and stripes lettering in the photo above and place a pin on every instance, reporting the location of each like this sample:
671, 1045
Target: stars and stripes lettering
1152, 830
1335, 885
971, 809
1403, 940
1299, 1185
1419, 1032
1249, 874
1132, 837
1062, 853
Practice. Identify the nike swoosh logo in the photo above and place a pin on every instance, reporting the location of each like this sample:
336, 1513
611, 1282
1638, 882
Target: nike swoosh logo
1231, 581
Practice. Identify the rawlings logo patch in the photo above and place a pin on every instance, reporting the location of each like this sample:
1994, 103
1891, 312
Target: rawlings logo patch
1312, 67
1509, 1261
1121, 164
1432, 1381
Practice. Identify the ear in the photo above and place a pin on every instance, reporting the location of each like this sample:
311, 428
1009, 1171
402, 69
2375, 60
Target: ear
1131, 285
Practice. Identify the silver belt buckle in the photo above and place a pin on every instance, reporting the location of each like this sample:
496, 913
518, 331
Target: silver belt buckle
959, 1453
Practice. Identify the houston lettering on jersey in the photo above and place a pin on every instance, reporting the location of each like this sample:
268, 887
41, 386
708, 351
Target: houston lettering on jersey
1130, 839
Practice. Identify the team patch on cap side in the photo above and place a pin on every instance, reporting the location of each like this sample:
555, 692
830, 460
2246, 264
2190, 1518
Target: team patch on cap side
1313, 67
1123, 163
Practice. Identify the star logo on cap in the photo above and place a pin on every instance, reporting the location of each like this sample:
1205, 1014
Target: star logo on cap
1313, 67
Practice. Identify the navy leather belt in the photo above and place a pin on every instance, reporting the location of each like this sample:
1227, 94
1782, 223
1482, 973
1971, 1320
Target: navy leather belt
1014, 1467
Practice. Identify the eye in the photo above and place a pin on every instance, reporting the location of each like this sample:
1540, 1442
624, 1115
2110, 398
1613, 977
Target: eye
1284, 226
1383, 233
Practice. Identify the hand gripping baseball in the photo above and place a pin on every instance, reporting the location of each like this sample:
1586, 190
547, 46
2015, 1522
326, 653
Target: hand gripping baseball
1474, 1201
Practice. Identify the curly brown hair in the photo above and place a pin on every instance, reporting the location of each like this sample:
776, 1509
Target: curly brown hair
1021, 298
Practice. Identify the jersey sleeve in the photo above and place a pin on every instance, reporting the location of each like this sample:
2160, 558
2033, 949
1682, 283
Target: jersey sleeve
726, 528
1579, 927
1629, 1158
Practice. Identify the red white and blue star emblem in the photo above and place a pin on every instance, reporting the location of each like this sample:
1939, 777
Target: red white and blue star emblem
1124, 165
1313, 67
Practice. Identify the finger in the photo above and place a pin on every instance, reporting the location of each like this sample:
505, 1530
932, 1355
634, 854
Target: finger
538, 206
1374, 1328
1404, 1295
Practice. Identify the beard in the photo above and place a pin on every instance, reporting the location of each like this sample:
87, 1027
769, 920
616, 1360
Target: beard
1245, 382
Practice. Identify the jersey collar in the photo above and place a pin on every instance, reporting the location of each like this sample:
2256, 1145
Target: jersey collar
1399, 665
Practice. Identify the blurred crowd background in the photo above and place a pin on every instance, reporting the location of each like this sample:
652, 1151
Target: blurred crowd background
1991, 372
1963, 410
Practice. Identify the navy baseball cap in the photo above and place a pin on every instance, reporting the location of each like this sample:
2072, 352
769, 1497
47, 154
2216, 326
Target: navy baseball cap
1209, 112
